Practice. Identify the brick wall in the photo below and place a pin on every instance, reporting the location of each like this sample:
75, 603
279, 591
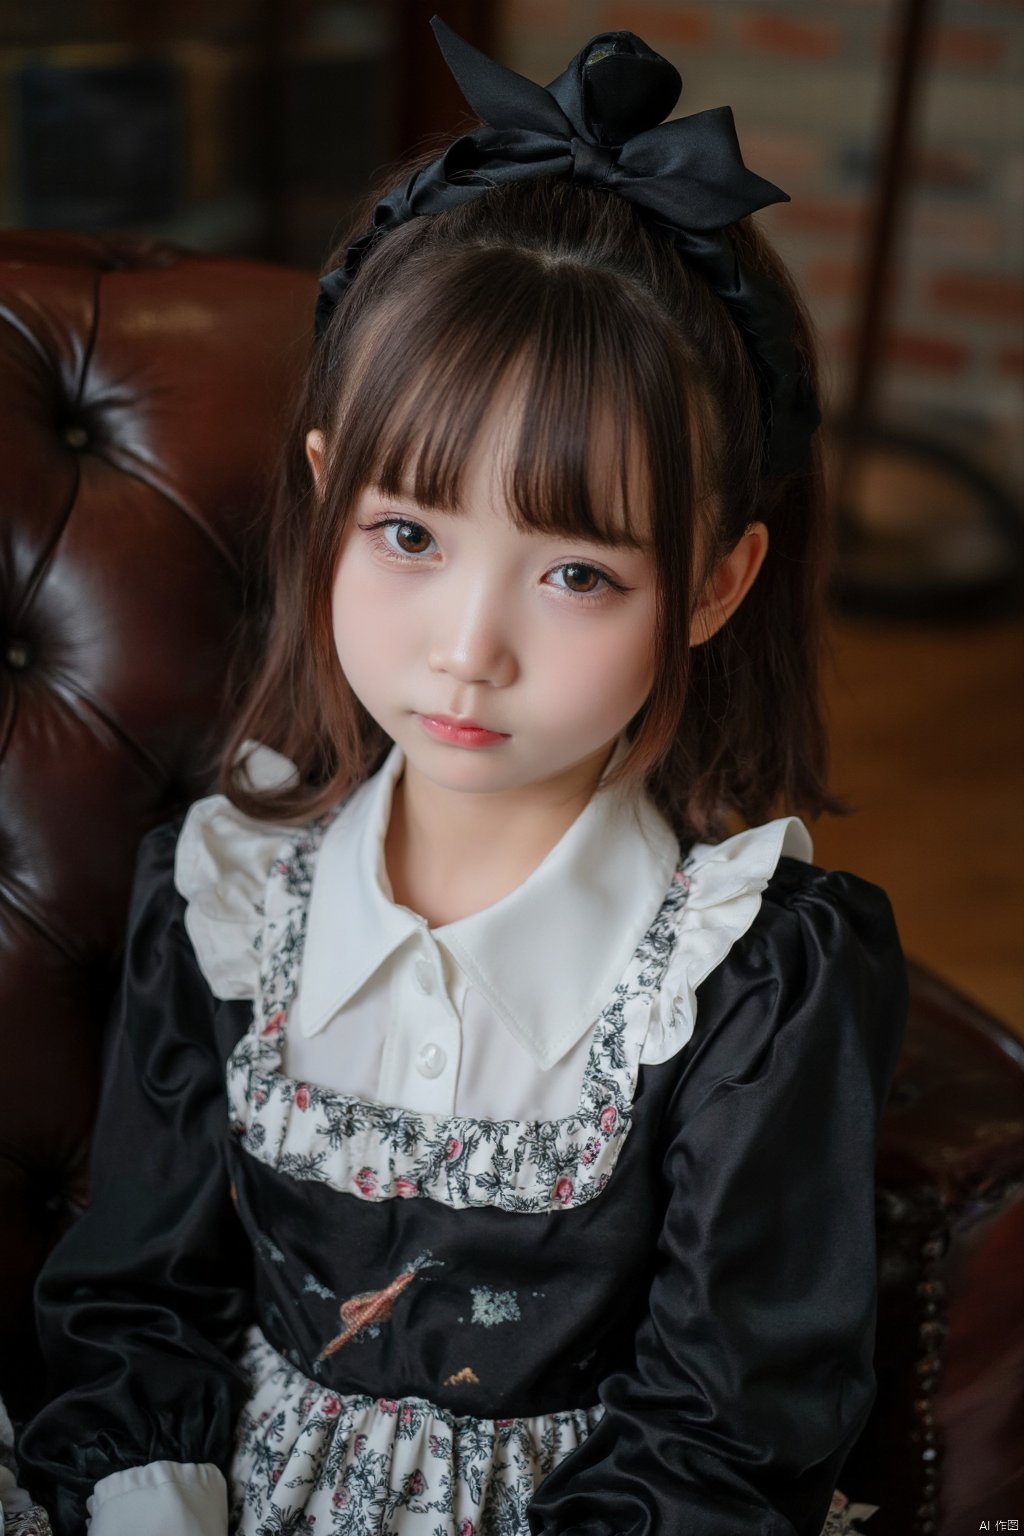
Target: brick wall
808, 87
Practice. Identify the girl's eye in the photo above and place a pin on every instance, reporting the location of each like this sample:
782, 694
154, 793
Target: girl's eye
583, 580
411, 538
398, 536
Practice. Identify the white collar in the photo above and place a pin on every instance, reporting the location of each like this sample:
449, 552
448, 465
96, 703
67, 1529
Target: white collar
546, 957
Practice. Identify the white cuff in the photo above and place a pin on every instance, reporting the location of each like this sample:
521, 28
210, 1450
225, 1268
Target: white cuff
187, 1498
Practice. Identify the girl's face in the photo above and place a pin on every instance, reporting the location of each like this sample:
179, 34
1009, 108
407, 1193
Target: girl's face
542, 643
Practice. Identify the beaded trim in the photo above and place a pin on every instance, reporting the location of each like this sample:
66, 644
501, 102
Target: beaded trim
380, 1152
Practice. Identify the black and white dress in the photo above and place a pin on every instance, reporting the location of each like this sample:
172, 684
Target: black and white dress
652, 1314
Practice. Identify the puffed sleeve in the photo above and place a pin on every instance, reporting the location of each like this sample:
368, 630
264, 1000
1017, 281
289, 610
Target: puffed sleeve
143, 1302
753, 1373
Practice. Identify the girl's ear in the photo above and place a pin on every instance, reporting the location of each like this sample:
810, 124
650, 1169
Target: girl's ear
316, 452
729, 583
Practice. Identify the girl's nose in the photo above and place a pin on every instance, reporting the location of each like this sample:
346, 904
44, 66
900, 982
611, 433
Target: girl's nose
473, 644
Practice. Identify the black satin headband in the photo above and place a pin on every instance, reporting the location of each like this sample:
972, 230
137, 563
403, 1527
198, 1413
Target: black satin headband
600, 123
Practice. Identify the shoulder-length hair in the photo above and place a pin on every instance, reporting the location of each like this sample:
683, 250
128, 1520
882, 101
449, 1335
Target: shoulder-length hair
607, 328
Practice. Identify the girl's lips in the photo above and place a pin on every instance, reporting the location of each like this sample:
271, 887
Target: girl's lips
459, 733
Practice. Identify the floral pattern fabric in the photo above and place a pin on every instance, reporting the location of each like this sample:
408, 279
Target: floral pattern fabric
380, 1152
309, 1460
312, 1462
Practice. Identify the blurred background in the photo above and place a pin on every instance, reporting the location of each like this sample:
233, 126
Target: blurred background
252, 127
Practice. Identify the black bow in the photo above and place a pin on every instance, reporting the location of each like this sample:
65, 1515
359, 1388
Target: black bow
600, 123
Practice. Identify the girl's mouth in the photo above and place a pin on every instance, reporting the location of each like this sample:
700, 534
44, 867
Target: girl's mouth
460, 733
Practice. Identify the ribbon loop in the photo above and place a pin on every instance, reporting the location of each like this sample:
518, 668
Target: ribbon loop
591, 163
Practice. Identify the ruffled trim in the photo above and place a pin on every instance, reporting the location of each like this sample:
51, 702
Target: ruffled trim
220, 867
248, 885
380, 1152
724, 883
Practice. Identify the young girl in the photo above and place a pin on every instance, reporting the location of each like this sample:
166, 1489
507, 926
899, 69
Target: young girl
488, 1143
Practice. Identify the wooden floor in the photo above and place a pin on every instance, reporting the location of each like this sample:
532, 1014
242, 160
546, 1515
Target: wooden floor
928, 745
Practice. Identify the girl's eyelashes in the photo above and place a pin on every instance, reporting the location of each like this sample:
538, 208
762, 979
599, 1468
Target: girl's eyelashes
410, 540
584, 580
407, 542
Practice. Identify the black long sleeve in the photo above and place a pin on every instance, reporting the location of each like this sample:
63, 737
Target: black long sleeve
753, 1369
142, 1302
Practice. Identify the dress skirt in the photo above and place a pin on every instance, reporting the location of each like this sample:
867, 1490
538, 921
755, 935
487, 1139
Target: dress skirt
312, 1462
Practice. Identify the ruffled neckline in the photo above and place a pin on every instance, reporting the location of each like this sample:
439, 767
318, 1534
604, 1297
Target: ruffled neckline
248, 885
379, 1152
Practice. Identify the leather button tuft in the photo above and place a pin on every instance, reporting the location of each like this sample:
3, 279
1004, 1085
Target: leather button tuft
17, 654
430, 1061
76, 437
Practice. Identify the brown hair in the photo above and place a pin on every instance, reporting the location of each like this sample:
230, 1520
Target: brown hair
570, 288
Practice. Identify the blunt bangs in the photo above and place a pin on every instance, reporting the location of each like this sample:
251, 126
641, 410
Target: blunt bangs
588, 370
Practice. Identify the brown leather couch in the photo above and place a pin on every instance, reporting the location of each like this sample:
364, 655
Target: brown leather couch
142, 392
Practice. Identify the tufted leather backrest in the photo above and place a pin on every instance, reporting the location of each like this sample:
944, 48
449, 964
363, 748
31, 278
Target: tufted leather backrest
143, 393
